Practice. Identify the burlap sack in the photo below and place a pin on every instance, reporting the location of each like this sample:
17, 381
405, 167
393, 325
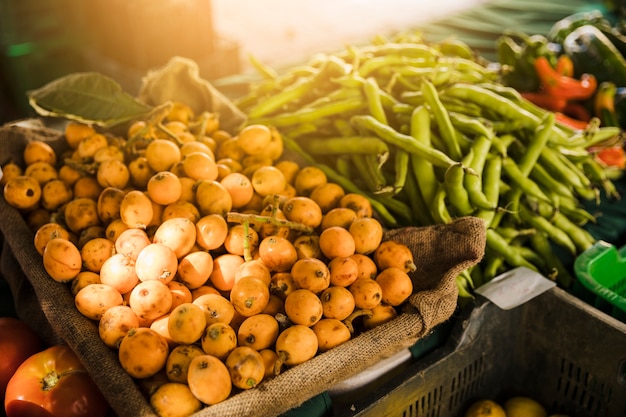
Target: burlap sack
441, 252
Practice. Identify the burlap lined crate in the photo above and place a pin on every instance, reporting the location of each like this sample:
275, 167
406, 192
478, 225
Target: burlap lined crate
441, 252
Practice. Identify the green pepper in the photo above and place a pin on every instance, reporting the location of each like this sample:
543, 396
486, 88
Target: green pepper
560, 29
604, 104
593, 53
617, 39
518, 51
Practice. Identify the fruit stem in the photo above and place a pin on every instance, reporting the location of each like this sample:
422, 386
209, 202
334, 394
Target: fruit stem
255, 218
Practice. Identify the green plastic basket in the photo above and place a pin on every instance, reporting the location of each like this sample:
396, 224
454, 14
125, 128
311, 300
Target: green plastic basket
601, 271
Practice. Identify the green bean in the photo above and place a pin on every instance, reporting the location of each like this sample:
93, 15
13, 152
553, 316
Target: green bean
582, 179
409, 90
276, 101
443, 77
501, 143
501, 127
542, 224
575, 213
537, 143
495, 242
344, 128
382, 62
406, 142
477, 275
459, 106
344, 166
309, 114
266, 71
503, 90
473, 183
470, 125
438, 207
422, 169
464, 286
519, 172
491, 187
525, 184
401, 169
331, 67
368, 173
374, 103
560, 133
532, 256
402, 108
581, 237
547, 182
466, 65
494, 102
410, 71
492, 264
442, 119
301, 129
455, 47
555, 268
401, 210
514, 232
597, 173
272, 86
419, 207
599, 136
331, 96
554, 165
348, 145
456, 192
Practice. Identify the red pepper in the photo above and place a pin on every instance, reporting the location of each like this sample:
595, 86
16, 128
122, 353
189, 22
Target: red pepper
570, 121
563, 86
577, 111
565, 66
612, 156
545, 100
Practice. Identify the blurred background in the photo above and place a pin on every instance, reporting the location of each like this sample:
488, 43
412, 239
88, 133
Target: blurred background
41, 40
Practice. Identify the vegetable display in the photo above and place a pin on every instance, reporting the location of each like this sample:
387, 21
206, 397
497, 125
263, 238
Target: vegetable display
585, 48
202, 256
442, 136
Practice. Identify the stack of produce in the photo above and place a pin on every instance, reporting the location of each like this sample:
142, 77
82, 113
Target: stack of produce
207, 264
577, 69
429, 132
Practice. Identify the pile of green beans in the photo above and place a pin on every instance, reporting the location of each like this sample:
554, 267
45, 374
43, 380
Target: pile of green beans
429, 133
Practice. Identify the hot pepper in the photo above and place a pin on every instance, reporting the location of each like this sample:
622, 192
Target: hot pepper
545, 100
562, 86
565, 66
604, 104
577, 124
612, 156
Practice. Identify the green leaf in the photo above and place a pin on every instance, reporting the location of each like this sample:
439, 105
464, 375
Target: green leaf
88, 97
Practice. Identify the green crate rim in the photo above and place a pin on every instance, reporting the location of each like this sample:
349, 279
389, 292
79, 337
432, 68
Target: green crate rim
583, 265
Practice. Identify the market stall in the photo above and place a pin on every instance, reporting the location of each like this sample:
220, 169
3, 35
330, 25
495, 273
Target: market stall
456, 182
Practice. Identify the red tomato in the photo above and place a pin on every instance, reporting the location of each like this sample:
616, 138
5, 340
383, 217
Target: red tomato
53, 383
17, 342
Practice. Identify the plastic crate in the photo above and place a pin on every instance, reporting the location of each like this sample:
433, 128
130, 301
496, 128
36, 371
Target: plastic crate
554, 348
601, 271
